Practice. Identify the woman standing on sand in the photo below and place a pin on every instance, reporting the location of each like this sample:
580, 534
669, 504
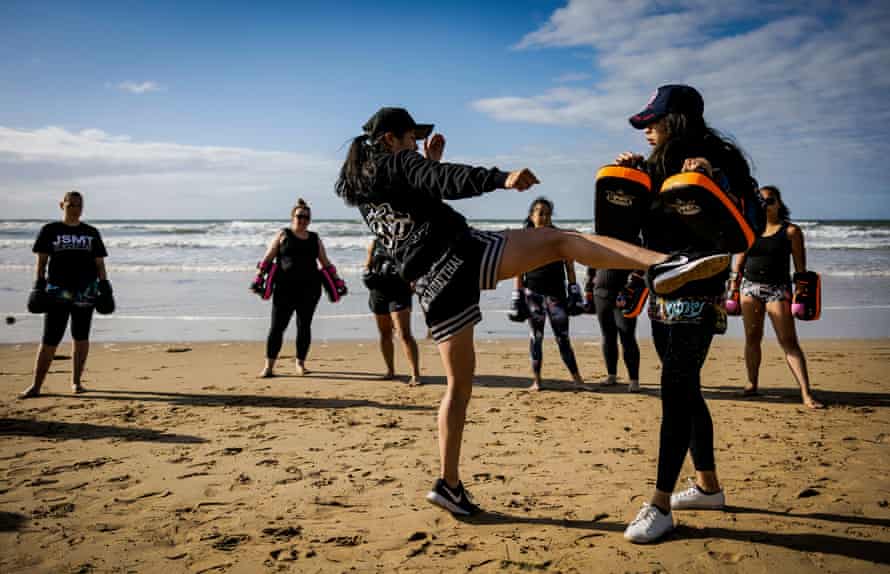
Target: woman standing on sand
766, 286
544, 290
401, 194
389, 298
297, 286
75, 255
684, 322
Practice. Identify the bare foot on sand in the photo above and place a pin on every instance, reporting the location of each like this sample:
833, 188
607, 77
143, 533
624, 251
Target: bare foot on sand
29, 393
535, 386
414, 381
301, 369
266, 373
609, 381
78, 389
812, 403
750, 391
577, 382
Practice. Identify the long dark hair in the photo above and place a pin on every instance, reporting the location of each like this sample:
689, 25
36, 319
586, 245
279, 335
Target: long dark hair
531, 208
358, 170
691, 136
784, 212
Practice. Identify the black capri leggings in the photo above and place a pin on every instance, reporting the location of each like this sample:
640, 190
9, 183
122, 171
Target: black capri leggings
282, 308
685, 419
614, 325
56, 319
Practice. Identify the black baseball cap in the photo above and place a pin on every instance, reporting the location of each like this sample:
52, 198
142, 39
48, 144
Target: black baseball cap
396, 120
671, 98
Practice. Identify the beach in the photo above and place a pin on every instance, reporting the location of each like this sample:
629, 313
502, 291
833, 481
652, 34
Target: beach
180, 460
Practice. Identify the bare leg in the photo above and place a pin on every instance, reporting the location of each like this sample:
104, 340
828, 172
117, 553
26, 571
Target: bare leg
384, 330
81, 350
459, 360
753, 312
783, 323
45, 354
528, 249
402, 320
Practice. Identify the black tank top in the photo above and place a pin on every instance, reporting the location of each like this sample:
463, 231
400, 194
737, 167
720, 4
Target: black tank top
297, 267
768, 260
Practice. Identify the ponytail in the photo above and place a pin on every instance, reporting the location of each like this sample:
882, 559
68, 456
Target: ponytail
357, 171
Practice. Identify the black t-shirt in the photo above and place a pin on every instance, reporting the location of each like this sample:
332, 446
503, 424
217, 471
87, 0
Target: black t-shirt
72, 253
548, 279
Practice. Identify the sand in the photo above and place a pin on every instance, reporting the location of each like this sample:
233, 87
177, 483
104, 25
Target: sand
180, 460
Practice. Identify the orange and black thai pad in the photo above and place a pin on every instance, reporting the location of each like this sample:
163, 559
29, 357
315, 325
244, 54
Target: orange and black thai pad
623, 195
708, 211
806, 304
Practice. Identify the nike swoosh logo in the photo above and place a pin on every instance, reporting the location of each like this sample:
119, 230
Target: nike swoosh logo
454, 497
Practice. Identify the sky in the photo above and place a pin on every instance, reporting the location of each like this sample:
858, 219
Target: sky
232, 110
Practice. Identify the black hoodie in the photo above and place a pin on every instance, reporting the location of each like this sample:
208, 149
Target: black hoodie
405, 208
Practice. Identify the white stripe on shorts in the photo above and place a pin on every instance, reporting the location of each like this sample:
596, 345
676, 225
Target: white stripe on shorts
444, 330
491, 256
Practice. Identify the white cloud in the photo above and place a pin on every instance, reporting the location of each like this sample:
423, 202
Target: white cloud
140, 88
801, 85
127, 178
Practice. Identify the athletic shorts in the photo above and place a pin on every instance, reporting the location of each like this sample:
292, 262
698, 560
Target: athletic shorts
765, 292
56, 319
383, 302
449, 291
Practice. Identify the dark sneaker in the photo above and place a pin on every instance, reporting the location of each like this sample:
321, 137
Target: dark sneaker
680, 269
457, 500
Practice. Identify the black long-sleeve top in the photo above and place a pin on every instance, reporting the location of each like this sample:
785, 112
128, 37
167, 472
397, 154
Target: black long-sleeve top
406, 211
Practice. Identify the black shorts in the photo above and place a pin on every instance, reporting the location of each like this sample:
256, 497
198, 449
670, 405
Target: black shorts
384, 302
449, 291
56, 319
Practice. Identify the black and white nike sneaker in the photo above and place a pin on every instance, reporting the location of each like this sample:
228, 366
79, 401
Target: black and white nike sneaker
680, 269
456, 500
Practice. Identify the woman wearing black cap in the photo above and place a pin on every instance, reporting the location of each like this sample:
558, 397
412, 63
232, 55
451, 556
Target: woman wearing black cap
683, 322
400, 195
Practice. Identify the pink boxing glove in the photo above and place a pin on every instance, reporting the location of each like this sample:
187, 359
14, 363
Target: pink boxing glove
732, 307
334, 287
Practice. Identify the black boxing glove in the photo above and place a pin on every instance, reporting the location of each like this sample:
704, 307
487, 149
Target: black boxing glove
105, 299
38, 300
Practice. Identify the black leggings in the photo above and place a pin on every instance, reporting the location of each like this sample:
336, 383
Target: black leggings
56, 319
614, 325
685, 419
282, 309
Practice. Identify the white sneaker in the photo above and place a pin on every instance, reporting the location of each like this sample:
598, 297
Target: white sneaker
694, 499
633, 387
649, 525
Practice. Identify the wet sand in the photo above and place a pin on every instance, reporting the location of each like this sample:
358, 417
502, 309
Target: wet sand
180, 460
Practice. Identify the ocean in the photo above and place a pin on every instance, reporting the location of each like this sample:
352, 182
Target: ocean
186, 280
